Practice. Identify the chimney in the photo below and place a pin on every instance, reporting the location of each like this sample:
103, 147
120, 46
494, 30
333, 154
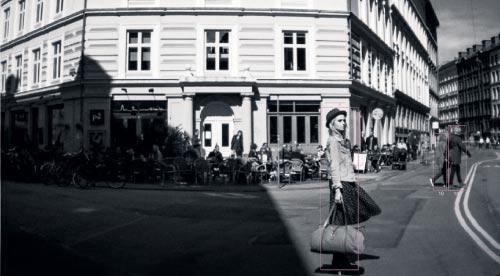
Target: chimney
494, 40
486, 44
469, 51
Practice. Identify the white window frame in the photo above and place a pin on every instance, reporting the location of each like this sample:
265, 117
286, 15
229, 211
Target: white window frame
52, 56
294, 46
6, 23
139, 45
39, 11
201, 50
3, 76
22, 15
217, 46
310, 71
59, 6
123, 54
18, 73
36, 65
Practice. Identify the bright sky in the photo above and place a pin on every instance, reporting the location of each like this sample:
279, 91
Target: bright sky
464, 23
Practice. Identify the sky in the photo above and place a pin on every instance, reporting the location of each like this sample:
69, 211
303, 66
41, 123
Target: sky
456, 30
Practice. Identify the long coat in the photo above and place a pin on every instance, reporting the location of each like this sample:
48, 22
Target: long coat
440, 153
456, 147
237, 145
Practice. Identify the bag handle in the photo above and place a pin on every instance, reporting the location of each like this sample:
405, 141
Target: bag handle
333, 211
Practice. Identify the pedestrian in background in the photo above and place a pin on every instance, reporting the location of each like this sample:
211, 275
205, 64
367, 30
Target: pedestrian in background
195, 142
237, 144
358, 206
481, 142
440, 160
456, 147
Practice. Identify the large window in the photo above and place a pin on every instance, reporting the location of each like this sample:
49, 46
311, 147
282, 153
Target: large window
56, 60
36, 66
39, 11
139, 50
59, 6
22, 13
291, 121
355, 57
217, 50
6, 18
3, 77
19, 73
294, 51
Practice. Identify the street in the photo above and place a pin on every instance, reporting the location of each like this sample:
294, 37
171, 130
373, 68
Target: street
259, 230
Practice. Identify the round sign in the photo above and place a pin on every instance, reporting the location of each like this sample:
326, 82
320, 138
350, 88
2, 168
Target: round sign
377, 113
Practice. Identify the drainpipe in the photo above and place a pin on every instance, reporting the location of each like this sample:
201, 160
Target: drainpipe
82, 74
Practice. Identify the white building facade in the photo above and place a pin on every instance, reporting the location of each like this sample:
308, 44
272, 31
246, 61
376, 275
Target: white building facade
115, 72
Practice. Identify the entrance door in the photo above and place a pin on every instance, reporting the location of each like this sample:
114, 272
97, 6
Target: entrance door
217, 130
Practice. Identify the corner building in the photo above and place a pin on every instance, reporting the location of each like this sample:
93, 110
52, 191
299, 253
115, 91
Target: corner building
122, 70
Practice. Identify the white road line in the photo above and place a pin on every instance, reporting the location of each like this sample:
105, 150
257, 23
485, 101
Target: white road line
471, 218
464, 225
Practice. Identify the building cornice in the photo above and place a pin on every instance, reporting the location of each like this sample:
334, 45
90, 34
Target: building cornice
405, 100
369, 94
396, 14
364, 31
426, 28
217, 11
43, 30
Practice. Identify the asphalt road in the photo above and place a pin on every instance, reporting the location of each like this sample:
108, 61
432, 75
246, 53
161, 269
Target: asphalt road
48, 230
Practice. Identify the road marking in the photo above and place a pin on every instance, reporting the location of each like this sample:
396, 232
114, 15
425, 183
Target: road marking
230, 195
462, 222
469, 215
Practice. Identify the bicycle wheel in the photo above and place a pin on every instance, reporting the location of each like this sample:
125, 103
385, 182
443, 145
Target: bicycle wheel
118, 181
79, 181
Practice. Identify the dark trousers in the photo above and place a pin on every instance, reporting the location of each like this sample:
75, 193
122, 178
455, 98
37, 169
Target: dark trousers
455, 168
441, 172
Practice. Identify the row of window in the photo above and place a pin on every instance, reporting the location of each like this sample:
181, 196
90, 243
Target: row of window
217, 48
35, 64
21, 13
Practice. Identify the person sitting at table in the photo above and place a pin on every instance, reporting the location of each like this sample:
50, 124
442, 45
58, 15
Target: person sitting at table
253, 151
215, 157
401, 145
286, 151
265, 153
298, 153
374, 156
320, 153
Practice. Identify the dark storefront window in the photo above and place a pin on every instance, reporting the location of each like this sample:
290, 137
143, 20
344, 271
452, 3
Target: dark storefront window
293, 121
273, 129
314, 129
287, 129
138, 124
301, 129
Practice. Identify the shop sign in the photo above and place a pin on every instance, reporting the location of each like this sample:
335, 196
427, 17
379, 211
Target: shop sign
435, 125
96, 117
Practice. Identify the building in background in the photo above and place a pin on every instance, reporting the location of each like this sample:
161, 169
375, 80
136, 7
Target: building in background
478, 87
115, 73
448, 94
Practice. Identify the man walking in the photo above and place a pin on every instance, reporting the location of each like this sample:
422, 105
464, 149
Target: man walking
456, 147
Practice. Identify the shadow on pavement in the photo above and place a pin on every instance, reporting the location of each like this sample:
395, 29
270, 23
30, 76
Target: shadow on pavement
135, 232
